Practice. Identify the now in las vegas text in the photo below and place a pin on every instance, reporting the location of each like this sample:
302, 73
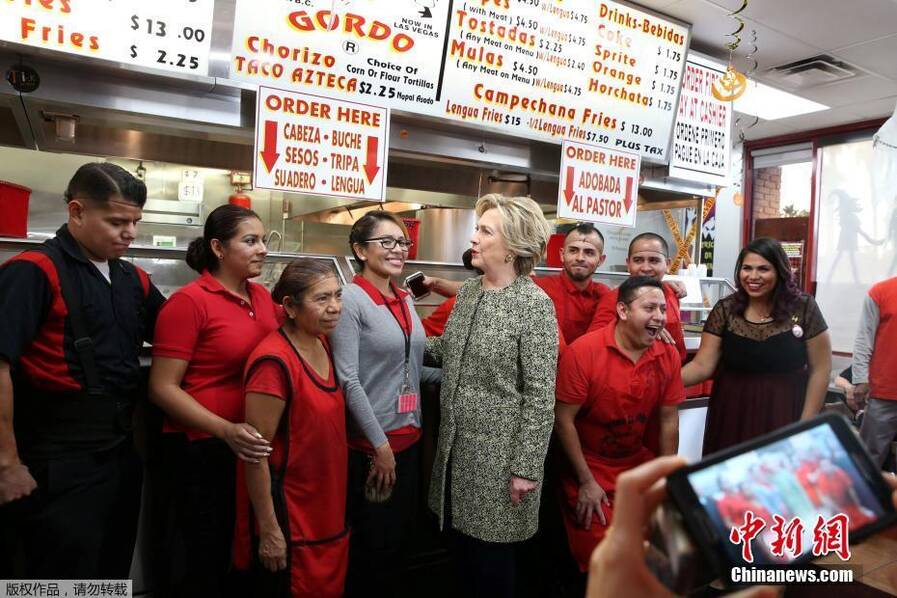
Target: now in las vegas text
754, 575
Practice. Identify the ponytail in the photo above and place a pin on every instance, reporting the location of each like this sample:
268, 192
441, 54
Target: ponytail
222, 224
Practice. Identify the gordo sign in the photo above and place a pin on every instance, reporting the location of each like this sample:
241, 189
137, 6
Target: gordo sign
320, 146
598, 184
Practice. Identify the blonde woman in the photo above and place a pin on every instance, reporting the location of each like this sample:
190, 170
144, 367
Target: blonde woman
499, 356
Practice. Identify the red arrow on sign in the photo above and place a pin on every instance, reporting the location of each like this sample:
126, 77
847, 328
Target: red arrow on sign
269, 153
568, 185
371, 168
628, 201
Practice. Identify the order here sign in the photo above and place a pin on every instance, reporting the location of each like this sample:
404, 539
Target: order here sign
598, 184
320, 146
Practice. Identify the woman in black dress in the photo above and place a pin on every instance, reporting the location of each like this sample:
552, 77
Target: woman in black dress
767, 348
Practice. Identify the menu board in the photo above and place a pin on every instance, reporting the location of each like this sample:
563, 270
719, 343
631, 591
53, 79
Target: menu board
374, 51
588, 71
174, 35
702, 139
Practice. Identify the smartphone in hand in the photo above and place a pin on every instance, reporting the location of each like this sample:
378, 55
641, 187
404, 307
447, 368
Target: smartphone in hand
771, 501
415, 284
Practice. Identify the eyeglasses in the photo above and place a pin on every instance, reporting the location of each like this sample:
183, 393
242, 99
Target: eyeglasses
391, 242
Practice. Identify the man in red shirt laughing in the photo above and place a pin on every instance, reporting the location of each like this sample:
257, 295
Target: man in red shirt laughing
574, 294
648, 256
609, 382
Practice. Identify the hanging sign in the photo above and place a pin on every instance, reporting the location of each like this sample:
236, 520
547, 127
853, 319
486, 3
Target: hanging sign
598, 184
388, 53
591, 71
702, 142
175, 35
320, 146
594, 71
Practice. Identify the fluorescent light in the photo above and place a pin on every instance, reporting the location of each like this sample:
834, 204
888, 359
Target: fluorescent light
770, 103
767, 102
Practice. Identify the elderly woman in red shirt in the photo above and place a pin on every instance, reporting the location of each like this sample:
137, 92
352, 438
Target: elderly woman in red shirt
298, 494
204, 334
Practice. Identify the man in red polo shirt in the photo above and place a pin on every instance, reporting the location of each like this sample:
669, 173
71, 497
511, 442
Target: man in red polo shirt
649, 255
875, 368
609, 382
574, 294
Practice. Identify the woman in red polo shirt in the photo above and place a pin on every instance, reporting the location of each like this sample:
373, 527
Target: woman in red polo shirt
298, 494
204, 334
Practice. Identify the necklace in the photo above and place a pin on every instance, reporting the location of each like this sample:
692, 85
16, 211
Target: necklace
762, 319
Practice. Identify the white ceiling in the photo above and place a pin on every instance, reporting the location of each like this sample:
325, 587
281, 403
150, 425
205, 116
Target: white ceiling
862, 33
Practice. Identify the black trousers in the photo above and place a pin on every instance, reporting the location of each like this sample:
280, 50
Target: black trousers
380, 530
195, 509
482, 569
81, 521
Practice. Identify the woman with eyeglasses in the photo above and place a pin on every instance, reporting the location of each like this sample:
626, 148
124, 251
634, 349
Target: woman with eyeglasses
378, 348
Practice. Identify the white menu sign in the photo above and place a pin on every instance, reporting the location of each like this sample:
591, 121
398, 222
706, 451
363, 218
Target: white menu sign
320, 146
702, 142
590, 71
174, 35
598, 184
388, 53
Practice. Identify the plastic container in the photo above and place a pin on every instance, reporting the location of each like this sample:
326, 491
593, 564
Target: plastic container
14, 210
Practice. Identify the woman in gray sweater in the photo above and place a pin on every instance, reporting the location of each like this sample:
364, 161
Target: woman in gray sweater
499, 358
378, 348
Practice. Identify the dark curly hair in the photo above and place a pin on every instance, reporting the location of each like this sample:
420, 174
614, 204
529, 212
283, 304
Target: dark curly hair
786, 294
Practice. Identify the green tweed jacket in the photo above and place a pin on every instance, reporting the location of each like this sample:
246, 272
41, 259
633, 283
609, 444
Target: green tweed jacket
499, 359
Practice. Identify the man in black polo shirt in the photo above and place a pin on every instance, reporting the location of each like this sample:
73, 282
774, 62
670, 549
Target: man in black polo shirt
73, 317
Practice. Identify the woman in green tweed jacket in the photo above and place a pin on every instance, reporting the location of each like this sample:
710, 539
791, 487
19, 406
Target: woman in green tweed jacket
499, 358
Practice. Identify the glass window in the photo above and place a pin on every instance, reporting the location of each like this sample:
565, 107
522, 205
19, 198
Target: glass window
857, 235
781, 198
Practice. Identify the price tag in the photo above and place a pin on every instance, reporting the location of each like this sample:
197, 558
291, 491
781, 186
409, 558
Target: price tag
191, 186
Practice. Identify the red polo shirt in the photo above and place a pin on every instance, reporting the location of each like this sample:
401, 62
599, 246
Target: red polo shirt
606, 312
214, 331
404, 437
574, 308
434, 324
617, 396
883, 365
